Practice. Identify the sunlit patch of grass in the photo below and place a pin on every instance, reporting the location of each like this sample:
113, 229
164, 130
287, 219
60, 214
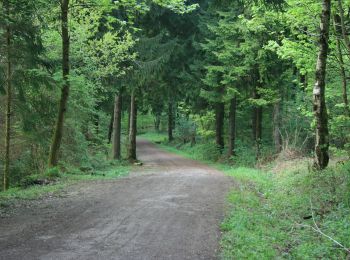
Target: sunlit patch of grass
55, 186
33, 192
155, 137
272, 215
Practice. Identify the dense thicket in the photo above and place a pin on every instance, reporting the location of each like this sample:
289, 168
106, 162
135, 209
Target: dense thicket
241, 77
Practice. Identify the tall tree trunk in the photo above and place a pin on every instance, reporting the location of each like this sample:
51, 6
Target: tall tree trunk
319, 102
129, 116
133, 129
8, 100
219, 125
277, 138
257, 124
157, 122
303, 82
58, 132
342, 23
110, 128
117, 126
232, 127
338, 28
170, 121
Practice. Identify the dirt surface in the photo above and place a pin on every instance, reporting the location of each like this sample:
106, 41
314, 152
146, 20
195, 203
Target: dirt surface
170, 208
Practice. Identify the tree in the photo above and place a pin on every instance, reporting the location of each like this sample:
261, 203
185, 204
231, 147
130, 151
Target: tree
58, 131
19, 50
117, 126
133, 128
320, 109
8, 79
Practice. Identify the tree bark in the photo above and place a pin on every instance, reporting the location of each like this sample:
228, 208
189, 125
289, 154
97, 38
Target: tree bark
257, 124
232, 127
133, 129
277, 138
117, 127
58, 132
110, 128
342, 24
338, 28
170, 121
319, 102
303, 82
219, 125
157, 123
129, 116
8, 100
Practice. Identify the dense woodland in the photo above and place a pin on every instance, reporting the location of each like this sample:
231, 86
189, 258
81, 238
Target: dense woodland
246, 82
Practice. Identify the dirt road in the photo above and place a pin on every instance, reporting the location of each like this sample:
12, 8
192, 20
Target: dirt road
170, 208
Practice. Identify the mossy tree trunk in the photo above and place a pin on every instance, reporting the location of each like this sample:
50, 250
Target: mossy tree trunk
117, 126
338, 29
8, 76
58, 132
319, 102
133, 129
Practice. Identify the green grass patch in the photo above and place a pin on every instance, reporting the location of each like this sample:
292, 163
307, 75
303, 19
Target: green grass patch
272, 215
155, 137
30, 193
53, 181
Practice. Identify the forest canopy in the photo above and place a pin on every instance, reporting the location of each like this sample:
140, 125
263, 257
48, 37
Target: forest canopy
252, 85
257, 74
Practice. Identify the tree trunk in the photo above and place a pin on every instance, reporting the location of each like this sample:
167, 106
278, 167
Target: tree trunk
58, 132
303, 82
338, 28
170, 121
277, 138
219, 125
129, 116
157, 123
342, 23
133, 129
110, 128
319, 102
117, 126
232, 127
8, 100
257, 124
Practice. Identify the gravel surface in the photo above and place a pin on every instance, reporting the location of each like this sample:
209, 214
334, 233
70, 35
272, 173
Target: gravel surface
170, 208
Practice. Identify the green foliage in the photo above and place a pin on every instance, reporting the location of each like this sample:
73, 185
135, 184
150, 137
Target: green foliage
185, 130
271, 214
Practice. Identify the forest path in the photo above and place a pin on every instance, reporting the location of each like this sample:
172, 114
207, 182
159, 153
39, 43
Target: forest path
170, 208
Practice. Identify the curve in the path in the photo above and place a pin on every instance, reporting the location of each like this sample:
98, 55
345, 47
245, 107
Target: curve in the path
170, 208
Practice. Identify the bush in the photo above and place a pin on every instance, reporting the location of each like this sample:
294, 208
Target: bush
52, 173
29, 181
185, 130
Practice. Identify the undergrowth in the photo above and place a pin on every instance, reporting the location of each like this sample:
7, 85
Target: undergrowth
54, 180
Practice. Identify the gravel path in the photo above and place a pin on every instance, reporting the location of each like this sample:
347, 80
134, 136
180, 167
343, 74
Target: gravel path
170, 208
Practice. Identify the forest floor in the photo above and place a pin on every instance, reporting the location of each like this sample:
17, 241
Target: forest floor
170, 208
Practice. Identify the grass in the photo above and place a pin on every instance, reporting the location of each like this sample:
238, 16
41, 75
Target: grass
273, 214
60, 181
